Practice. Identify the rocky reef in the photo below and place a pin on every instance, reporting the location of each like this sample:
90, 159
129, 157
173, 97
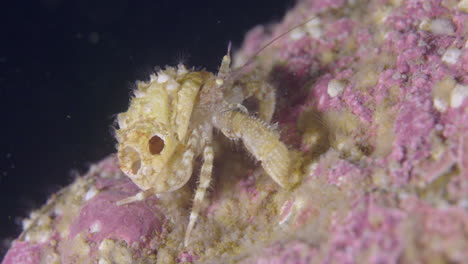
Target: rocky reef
373, 94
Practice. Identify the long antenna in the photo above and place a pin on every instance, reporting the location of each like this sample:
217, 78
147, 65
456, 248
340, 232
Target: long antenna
276, 38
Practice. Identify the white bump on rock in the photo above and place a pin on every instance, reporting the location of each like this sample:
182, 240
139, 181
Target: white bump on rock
442, 26
463, 6
451, 55
26, 223
105, 244
458, 94
440, 104
396, 76
113, 252
441, 93
103, 261
296, 34
58, 210
314, 28
219, 81
90, 193
95, 227
140, 196
335, 88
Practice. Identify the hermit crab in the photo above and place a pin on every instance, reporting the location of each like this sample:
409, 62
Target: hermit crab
170, 121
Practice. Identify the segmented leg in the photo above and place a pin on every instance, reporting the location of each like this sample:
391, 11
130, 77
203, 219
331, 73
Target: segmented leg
185, 102
205, 178
261, 141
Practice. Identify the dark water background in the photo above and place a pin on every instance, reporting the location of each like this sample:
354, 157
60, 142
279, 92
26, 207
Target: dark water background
67, 66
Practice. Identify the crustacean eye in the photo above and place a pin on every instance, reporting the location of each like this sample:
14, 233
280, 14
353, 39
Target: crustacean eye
156, 145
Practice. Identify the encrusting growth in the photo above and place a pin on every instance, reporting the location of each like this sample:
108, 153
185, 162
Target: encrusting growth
170, 122
381, 138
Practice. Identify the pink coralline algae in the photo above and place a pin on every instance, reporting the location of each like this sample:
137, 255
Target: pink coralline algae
371, 99
82, 223
101, 218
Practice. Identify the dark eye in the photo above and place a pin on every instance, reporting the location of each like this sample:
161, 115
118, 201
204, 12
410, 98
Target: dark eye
156, 145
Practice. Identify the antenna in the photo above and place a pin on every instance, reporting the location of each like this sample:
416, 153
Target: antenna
251, 59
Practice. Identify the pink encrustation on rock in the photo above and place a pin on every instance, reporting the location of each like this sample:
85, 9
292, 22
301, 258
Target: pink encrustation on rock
82, 223
371, 95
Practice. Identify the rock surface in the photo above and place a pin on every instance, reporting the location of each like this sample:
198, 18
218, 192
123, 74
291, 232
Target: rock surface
373, 94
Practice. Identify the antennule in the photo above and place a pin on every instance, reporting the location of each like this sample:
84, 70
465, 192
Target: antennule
229, 48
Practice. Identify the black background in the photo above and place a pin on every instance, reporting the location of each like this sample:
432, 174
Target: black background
68, 66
